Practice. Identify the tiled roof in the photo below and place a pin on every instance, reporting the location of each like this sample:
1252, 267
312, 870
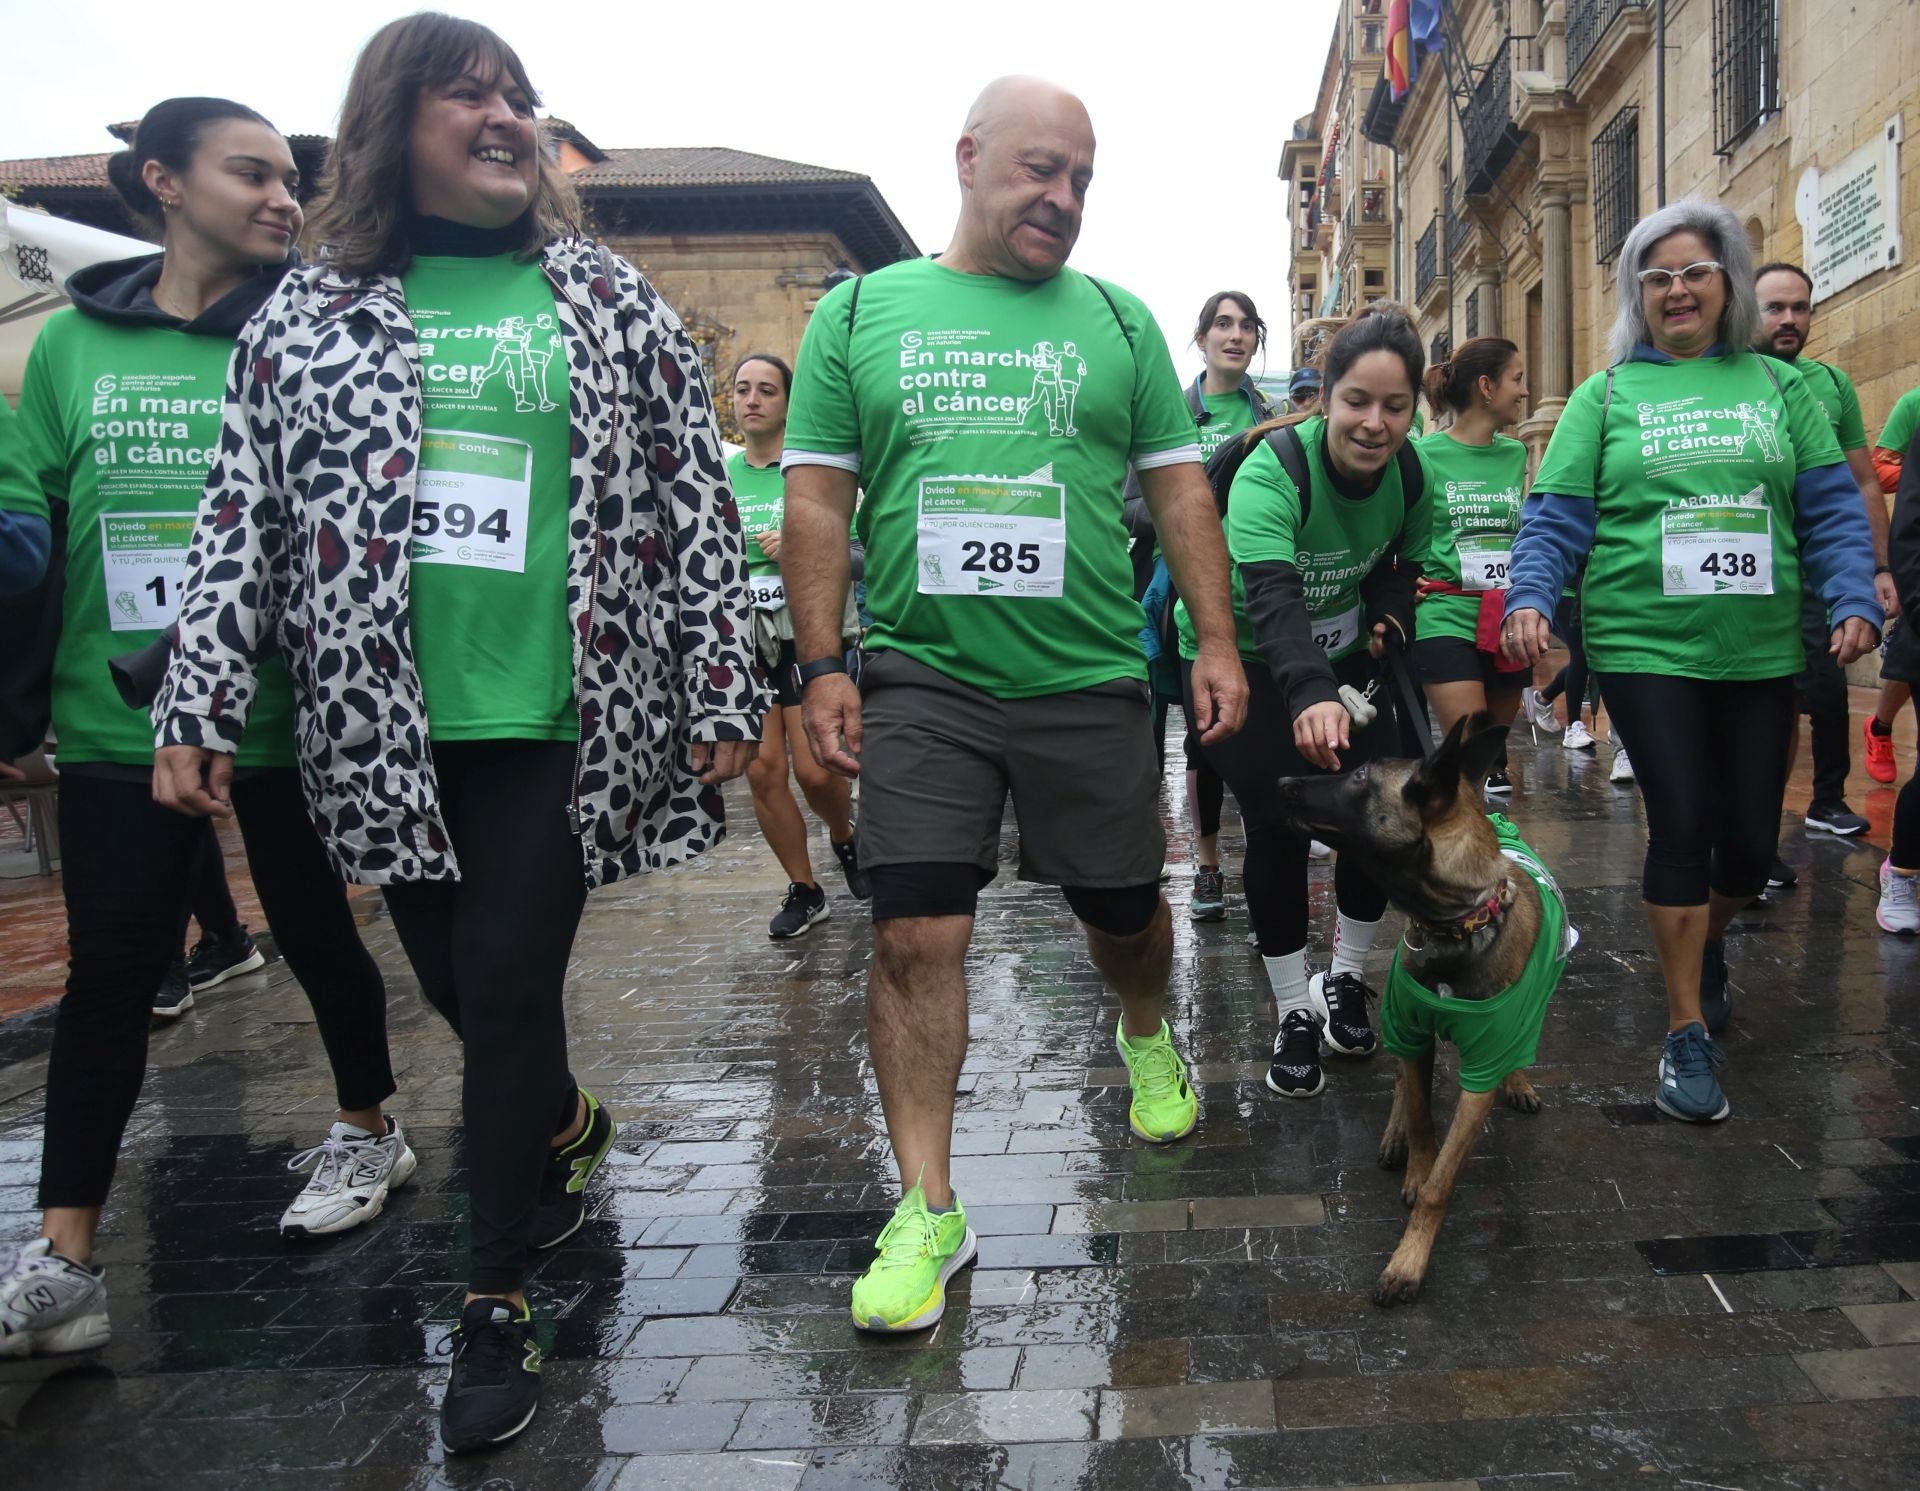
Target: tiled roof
56, 171
704, 165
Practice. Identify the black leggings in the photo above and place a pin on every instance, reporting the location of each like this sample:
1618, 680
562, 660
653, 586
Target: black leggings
1208, 790
213, 904
1905, 853
129, 870
490, 950
1572, 679
1710, 758
1252, 761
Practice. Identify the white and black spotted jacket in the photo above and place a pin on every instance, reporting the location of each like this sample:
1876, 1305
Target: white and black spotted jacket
302, 543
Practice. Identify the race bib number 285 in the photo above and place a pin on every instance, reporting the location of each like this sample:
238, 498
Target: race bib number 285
992, 536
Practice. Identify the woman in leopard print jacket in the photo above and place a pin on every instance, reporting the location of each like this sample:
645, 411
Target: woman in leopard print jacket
469, 484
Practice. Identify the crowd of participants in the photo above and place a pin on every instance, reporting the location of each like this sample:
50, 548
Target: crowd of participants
490, 634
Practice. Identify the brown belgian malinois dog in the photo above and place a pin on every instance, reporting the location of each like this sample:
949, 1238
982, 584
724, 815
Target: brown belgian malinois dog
1478, 905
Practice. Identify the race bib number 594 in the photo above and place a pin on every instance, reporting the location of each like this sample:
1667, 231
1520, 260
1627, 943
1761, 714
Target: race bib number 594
470, 502
989, 536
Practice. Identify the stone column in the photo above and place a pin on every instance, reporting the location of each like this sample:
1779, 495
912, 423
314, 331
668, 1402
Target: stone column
1485, 284
1554, 380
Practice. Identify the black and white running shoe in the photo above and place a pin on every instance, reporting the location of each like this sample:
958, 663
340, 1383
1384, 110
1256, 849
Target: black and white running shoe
174, 997
214, 960
1295, 1072
1340, 999
804, 906
494, 1387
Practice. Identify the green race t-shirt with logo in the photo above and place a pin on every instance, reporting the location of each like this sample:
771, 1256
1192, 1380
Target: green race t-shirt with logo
1834, 392
1477, 491
120, 423
1902, 421
1230, 414
1695, 570
488, 592
1344, 538
991, 422
760, 494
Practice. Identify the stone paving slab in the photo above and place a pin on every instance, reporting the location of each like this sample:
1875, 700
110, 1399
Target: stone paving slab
1616, 1301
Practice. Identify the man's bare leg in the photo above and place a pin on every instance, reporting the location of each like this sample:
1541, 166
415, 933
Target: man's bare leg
917, 1032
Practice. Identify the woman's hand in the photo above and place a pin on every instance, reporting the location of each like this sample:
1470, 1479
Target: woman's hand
1853, 638
193, 780
1320, 733
1525, 635
769, 541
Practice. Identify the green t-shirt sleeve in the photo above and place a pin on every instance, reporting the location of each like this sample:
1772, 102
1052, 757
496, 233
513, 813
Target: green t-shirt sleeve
822, 418
1898, 434
1573, 454
33, 468
1162, 422
1813, 441
1851, 431
1263, 510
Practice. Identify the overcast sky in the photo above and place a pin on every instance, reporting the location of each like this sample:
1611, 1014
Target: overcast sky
1190, 108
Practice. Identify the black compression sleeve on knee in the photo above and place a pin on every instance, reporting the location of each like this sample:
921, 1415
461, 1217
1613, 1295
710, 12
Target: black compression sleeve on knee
926, 888
1124, 911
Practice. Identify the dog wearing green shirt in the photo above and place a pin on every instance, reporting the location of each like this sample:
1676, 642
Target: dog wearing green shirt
1486, 942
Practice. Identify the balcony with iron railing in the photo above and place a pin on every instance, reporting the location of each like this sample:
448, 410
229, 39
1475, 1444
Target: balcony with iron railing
1490, 138
1587, 24
1426, 259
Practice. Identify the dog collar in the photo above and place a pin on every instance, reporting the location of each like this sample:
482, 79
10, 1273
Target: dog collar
1483, 914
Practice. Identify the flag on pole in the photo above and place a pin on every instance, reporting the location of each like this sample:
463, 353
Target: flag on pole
1402, 68
1424, 18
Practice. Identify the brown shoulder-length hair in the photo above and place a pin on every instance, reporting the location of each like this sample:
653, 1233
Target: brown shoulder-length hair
359, 221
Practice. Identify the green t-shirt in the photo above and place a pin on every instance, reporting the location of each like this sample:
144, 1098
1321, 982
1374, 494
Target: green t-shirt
1498, 1035
1345, 538
488, 594
1695, 570
120, 423
1901, 423
760, 494
1476, 494
991, 422
1834, 392
1231, 413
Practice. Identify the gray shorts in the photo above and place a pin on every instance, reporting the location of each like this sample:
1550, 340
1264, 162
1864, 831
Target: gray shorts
939, 757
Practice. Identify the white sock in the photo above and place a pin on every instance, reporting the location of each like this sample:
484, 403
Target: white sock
1288, 975
1352, 941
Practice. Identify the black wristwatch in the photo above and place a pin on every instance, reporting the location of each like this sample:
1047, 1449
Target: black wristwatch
1882, 569
805, 673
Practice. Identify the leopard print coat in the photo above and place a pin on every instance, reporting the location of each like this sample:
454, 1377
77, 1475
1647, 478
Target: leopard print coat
302, 543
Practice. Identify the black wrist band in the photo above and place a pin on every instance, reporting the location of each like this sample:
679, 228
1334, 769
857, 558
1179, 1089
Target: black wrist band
819, 668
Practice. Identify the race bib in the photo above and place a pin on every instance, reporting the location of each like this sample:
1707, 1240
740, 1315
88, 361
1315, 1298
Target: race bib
144, 557
766, 592
983, 535
1334, 634
1717, 551
470, 502
1484, 560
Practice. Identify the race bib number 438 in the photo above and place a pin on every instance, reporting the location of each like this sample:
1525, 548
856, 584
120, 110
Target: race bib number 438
1717, 551
990, 536
470, 501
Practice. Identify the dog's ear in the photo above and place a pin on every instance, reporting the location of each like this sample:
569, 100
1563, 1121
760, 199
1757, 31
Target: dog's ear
1435, 782
1481, 749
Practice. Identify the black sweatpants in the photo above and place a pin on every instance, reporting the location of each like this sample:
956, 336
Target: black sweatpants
213, 906
1823, 700
1571, 680
128, 871
1252, 761
1905, 852
490, 950
1710, 758
1210, 793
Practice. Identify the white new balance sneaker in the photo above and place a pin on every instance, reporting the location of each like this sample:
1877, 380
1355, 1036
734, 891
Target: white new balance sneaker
49, 1304
1899, 909
353, 1172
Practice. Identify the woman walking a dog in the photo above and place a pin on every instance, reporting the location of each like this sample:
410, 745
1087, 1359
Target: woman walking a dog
1696, 478
1316, 590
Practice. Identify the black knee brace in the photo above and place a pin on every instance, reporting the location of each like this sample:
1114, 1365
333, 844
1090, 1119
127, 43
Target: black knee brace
1122, 911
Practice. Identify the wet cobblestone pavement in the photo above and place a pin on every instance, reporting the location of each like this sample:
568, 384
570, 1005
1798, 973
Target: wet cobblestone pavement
1616, 1300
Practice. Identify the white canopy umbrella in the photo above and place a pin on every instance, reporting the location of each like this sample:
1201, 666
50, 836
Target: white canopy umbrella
37, 253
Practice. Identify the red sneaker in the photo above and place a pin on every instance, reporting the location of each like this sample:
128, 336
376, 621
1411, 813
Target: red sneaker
1879, 753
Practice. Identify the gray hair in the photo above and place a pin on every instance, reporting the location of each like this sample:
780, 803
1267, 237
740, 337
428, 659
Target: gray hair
1739, 321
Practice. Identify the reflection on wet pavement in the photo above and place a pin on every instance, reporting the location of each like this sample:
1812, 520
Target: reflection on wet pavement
1615, 1300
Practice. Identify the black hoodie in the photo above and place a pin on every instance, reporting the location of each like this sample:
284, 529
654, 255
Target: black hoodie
120, 292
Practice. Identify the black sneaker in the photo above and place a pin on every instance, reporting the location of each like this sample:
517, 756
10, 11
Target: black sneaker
1295, 1072
1499, 784
175, 995
1341, 1000
804, 905
1781, 875
1835, 818
214, 960
1716, 999
563, 1184
494, 1386
849, 856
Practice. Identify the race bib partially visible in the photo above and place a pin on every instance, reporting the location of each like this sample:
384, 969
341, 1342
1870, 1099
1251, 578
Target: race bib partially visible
983, 535
766, 592
470, 501
1717, 551
1334, 634
1485, 559
144, 556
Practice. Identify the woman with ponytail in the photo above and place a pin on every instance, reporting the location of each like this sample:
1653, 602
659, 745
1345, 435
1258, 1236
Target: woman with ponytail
119, 421
1480, 480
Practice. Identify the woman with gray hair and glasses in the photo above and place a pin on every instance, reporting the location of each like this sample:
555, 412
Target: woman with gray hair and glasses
1696, 478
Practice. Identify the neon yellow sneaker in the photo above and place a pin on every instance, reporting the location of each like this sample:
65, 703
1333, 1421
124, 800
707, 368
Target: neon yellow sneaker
1165, 1107
905, 1288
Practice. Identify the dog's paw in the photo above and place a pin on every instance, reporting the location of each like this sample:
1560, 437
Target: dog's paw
1419, 1167
1393, 1151
1517, 1093
1398, 1286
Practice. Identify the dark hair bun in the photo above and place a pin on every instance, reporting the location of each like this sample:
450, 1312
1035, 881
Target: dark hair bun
169, 132
123, 171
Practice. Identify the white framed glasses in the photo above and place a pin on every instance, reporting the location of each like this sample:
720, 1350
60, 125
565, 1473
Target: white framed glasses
1694, 276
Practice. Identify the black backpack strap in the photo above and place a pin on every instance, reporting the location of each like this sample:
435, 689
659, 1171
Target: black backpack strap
853, 309
1291, 452
1766, 366
1413, 479
1113, 306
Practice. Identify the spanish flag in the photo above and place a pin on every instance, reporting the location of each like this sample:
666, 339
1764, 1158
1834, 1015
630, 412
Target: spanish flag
1402, 67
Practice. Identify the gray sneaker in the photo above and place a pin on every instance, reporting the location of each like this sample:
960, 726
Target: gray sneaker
49, 1304
1835, 818
1209, 902
1688, 1088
